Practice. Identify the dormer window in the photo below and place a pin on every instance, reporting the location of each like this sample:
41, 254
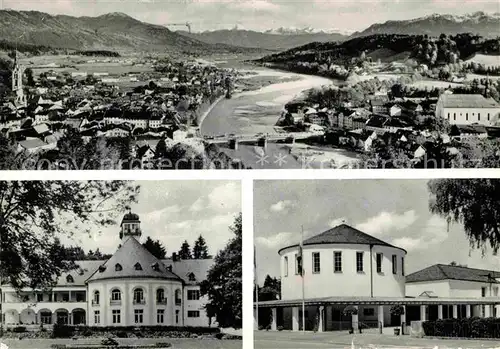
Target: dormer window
156, 267
102, 268
70, 279
118, 267
191, 277
137, 266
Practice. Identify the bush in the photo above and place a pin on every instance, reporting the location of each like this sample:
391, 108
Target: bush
466, 328
62, 331
122, 334
19, 329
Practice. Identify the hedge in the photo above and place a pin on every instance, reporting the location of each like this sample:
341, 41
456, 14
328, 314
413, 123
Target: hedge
474, 327
65, 331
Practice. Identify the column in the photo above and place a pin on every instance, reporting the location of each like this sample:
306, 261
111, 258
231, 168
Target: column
467, 310
440, 311
354, 320
455, 311
295, 318
403, 316
380, 314
274, 327
423, 313
321, 318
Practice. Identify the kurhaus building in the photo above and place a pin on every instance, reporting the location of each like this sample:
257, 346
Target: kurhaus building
352, 279
132, 288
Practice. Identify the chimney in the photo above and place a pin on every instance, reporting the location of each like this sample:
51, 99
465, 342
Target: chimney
174, 257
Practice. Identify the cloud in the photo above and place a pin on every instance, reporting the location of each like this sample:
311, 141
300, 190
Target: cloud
386, 222
282, 206
433, 233
337, 221
274, 241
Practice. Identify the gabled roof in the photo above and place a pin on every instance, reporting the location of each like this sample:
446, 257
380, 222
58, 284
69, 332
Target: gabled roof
127, 256
182, 268
438, 272
467, 101
344, 234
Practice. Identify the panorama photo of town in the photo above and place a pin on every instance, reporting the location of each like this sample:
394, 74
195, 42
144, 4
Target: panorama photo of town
249, 84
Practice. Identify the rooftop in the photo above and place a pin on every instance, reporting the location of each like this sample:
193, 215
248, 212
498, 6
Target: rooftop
439, 272
344, 234
467, 101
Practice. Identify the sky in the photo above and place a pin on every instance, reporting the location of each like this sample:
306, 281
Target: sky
345, 15
174, 211
395, 211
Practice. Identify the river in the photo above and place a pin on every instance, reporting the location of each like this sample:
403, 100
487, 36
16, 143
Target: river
257, 111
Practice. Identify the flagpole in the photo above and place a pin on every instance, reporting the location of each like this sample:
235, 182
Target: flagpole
302, 276
256, 283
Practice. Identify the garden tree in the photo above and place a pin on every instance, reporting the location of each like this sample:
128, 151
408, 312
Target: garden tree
472, 203
155, 247
223, 285
97, 256
185, 251
33, 214
200, 249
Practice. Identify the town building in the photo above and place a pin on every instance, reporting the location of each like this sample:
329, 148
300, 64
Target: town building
17, 82
467, 109
346, 268
132, 288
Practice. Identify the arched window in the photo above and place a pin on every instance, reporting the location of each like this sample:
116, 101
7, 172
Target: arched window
70, 279
178, 297
118, 267
138, 296
102, 268
155, 266
96, 298
160, 296
191, 277
116, 295
137, 266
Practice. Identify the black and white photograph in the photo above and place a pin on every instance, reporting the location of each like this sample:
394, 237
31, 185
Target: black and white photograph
122, 264
377, 263
249, 84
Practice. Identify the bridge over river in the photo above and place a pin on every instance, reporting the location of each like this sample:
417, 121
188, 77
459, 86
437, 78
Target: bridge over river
261, 139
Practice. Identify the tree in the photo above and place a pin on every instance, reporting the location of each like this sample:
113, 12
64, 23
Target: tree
29, 77
185, 251
155, 247
34, 214
200, 249
223, 285
472, 203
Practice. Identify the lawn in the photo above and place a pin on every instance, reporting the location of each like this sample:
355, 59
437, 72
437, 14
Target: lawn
487, 60
341, 340
176, 343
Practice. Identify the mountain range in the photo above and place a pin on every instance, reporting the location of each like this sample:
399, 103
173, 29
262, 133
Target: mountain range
113, 31
483, 24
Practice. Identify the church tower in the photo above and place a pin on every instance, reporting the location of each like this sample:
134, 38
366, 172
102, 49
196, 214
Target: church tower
130, 226
17, 82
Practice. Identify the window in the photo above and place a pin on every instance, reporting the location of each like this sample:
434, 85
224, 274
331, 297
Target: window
69, 279
178, 299
116, 295
296, 264
156, 267
97, 317
96, 298
454, 116
368, 311
380, 257
118, 267
138, 316
193, 295
160, 316
403, 266
160, 296
137, 266
39, 297
448, 116
45, 317
337, 261
286, 266
483, 291
177, 316
316, 262
191, 277
138, 296
359, 262
394, 264
467, 116
488, 116
193, 313
116, 316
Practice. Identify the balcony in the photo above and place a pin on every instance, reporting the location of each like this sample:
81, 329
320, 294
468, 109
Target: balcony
139, 301
115, 302
161, 301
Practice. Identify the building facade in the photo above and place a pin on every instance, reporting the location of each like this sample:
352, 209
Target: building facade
468, 109
344, 278
132, 288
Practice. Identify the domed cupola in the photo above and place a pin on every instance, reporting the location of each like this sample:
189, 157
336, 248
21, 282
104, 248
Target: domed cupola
130, 226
